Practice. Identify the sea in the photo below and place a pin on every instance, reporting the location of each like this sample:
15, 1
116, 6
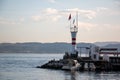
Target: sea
22, 66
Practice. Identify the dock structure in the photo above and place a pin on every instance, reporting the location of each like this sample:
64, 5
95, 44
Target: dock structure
85, 64
108, 60
99, 59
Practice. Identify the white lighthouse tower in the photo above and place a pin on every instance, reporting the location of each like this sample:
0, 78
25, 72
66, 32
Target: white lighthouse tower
74, 30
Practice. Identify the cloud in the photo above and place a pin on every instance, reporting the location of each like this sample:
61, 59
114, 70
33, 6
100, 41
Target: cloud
90, 14
50, 14
56, 18
53, 18
86, 25
101, 9
50, 11
108, 11
54, 14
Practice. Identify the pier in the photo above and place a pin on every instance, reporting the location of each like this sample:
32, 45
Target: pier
99, 65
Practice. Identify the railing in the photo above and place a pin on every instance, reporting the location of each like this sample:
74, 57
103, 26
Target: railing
74, 29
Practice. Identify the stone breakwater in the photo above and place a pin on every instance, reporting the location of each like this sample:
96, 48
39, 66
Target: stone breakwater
85, 64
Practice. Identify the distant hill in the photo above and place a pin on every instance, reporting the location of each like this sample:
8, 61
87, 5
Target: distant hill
105, 43
37, 47
113, 46
33, 47
108, 45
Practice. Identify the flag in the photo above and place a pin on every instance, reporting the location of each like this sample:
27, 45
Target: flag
69, 17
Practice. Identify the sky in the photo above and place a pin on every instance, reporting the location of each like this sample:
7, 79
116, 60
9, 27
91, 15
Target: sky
47, 20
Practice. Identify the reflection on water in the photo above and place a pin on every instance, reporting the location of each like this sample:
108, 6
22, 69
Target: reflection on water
91, 75
70, 75
73, 75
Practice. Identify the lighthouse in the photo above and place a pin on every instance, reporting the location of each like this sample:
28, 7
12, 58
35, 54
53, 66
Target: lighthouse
73, 31
74, 52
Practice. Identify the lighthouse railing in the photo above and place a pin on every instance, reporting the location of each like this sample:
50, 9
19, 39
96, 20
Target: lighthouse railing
74, 29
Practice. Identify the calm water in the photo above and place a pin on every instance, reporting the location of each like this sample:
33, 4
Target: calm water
22, 67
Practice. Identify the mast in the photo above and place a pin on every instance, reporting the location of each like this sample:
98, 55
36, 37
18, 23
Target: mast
77, 18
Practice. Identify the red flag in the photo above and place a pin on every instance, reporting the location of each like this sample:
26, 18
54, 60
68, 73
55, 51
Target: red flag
69, 17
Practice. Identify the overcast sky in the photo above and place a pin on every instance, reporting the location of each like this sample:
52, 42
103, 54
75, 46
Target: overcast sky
47, 20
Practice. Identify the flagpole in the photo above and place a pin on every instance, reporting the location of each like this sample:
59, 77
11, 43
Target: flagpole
70, 19
77, 18
70, 23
